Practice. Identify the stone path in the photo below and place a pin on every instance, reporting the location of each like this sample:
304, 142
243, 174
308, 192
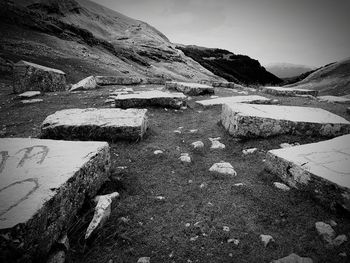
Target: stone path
95, 124
235, 99
34, 188
322, 168
249, 120
192, 89
281, 91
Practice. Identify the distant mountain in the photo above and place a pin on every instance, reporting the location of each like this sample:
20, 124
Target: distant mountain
287, 70
232, 67
83, 38
332, 79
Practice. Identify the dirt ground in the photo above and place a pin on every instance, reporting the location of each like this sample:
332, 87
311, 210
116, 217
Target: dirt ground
188, 224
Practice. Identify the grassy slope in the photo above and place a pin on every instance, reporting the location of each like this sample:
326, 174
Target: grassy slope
157, 228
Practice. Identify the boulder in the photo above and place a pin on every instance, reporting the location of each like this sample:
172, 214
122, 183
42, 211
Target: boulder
192, 89
95, 124
281, 91
223, 168
29, 76
255, 99
85, 84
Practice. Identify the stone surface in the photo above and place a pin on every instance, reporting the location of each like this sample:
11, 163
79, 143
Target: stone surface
251, 121
150, 98
29, 94
95, 124
325, 231
293, 258
281, 91
29, 76
235, 99
223, 168
192, 89
117, 80
322, 168
43, 185
334, 99
85, 84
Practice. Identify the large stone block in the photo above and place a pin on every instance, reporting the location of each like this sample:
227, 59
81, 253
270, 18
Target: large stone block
192, 89
281, 91
43, 185
150, 98
229, 85
95, 124
249, 121
30, 76
117, 80
235, 99
321, 168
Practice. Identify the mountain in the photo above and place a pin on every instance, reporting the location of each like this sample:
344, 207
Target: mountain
287, 70
332, 79
83, 38
232, 67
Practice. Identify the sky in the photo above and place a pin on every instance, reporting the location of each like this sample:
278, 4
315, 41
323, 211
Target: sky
305, 32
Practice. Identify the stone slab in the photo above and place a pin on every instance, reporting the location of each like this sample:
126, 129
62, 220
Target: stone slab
281, 91
192, 89
150, 98
117, 80
29, 76
235, 99
334, 99
43, 185
95, 124
321, 168
252, 120
229, 85
29, 94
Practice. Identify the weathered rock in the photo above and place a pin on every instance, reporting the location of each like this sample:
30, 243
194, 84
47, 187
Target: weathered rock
150, 98
156, 152
339, 240
325, 231
266, 239
144, 260
29, 94
117, 80
223, 168
334, 99
322, 168
185, 157
235, 99
251, 121
229, 85
192, 89
293, 258
281, 186
32, 101
249, 151
281, 91
102, 212
85, 84
197, 144
30, 76
43, 185
95, 124
215, 144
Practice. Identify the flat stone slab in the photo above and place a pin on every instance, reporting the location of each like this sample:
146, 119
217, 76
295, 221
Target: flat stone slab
29, 76
117, 80
29, 94
281, 91
235, 99
334, 99
43, 185
252, 120
192, 89
321, 168
95, 124
150, 98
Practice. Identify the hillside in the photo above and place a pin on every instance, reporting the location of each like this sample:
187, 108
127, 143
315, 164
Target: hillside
332, 79
83, 38
287, 70
232, 67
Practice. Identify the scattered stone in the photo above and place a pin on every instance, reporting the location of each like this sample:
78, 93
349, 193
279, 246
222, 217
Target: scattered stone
239, 184
234, 241
29, 94
281, 186
281, 91
223, 168
187, 225
339, 240
229, 85
332, 223
177, 131
40, 176
266, 239
194, 238
251, 121
124, 219
203, 185
293, 258
214, 97
183, 108
215, 144
325, 231
110, 101
159, 197
150, 98
334, 99
194, 131
102, 212
198, 145
95, 124
30, 76
32, 101
156, 152
117, 80
343, 254
85, 84
192, 89
185, 157
126, 90
320, 168
249, 151
235, 99
226, 229
144, 260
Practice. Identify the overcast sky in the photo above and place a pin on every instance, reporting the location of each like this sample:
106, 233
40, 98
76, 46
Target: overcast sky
308, 32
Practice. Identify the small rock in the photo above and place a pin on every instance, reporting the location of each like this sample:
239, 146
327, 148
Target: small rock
198, 145
29, 94
215, 144
177, 131
144, 260
234, 241
249, 151
156, 152
187, 225
293, 258
214, 97
32, 101
194, 238
183, 107
193, 130
285, 145
343, 254
226, 229
124, 219
339, 240
203, 185
107, 101
190, 181
281, 186
266, 239
159, 197
239, 184
223, 168
325, 231
332, 223
185, 157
